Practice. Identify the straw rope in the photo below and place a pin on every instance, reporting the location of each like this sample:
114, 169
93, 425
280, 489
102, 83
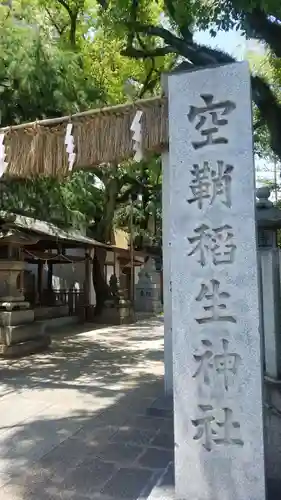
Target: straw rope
100, 136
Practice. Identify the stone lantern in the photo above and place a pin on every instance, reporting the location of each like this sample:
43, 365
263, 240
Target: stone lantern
268, 224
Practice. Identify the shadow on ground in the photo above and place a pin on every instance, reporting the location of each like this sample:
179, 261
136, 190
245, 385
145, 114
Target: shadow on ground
90, 437
76, 356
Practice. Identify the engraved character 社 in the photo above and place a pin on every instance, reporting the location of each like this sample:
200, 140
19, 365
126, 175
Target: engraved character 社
216, 427
217, 112
225, 363
211, 183
215, 299
217, 242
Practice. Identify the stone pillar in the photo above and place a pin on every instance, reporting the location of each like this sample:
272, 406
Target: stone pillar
168, 344
219, 451
270, 296
166, 239
269, 219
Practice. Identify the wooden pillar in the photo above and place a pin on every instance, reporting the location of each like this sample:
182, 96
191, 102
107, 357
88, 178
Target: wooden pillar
114, 262
39, 281
87, 283
21, 273
50, 276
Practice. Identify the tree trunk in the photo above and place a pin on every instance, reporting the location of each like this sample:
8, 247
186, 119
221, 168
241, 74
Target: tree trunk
103, 234
99, 282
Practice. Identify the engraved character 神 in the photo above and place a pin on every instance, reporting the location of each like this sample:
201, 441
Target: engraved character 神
211, 294
210, 134
205, 362
210, 183
217, 242
224, 363
212, 429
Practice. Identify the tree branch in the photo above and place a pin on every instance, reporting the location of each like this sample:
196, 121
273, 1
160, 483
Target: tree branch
59, 29
73, 14
141, 54
66, 6
270, 111
270, 31
199, 55
183, 27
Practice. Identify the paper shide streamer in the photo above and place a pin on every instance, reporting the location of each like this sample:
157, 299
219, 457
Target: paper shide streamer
3, 163
136, 128
69, 142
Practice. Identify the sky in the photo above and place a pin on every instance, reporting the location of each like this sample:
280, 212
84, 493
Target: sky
235, 44
232, 42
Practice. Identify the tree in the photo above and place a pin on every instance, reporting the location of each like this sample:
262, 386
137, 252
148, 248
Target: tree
38, 79
51, 67
144, 189
173, 33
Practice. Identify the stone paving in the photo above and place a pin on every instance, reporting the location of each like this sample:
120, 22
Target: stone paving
73, 421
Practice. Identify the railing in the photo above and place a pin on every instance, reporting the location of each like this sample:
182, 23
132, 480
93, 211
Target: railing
72, 298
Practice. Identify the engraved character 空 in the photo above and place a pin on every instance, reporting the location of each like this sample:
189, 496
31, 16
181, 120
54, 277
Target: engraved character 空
210, 183
217, 111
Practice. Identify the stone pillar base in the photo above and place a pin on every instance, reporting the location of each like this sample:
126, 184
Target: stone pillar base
116, 314
25, 348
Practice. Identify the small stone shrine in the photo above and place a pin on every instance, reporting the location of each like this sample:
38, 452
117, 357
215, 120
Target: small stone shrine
19, 334
148, 289
218, 407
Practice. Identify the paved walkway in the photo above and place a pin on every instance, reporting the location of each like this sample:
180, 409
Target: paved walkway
72, 421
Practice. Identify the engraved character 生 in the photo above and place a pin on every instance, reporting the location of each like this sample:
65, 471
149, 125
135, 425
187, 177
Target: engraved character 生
211, 293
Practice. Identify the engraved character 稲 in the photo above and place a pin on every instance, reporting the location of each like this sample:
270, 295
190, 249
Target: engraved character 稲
217, 242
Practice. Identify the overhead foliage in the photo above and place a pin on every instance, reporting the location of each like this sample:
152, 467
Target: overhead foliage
172, 33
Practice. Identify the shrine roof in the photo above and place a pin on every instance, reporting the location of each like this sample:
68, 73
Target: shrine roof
47, 229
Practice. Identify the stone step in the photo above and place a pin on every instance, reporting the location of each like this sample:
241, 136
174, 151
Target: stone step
25, 348
161, 407
164, 488
10, 335
19, 317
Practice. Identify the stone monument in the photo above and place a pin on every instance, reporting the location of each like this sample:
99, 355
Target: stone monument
148, 289
219, 449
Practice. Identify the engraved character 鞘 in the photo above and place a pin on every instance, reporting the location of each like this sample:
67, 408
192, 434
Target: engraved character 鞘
217, 242
210, 183
214, 110
212, 429
211, 294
